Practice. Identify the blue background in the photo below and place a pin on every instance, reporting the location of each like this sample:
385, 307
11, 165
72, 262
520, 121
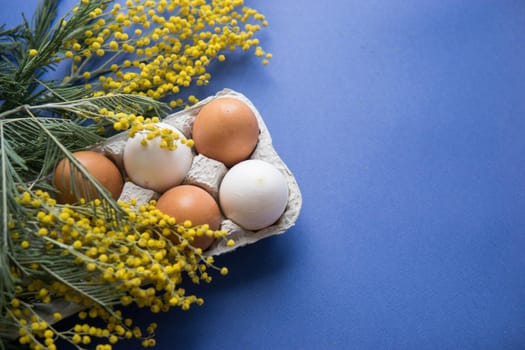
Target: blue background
403, 122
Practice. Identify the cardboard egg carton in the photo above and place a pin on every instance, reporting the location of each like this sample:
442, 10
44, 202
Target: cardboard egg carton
208, 173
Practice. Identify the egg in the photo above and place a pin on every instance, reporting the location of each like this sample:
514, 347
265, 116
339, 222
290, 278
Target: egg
189, 202
155, 168
253, 194
98, 166
226, 130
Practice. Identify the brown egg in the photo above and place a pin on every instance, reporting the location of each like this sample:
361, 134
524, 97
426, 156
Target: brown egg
188, 202
226, 130
98, 166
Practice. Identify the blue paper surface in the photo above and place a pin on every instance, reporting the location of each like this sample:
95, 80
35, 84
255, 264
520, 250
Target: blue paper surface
403, 123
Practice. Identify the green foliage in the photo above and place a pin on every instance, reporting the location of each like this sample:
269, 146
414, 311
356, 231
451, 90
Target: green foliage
42, 122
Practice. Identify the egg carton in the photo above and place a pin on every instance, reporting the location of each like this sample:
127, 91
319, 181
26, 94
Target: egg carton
208, 174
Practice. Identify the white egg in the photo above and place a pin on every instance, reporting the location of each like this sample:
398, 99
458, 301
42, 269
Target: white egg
155, 168
253, 194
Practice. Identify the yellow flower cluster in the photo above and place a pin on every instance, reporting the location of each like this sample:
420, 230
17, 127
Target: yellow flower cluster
99, 254
139, 124
134, 259
156, 47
